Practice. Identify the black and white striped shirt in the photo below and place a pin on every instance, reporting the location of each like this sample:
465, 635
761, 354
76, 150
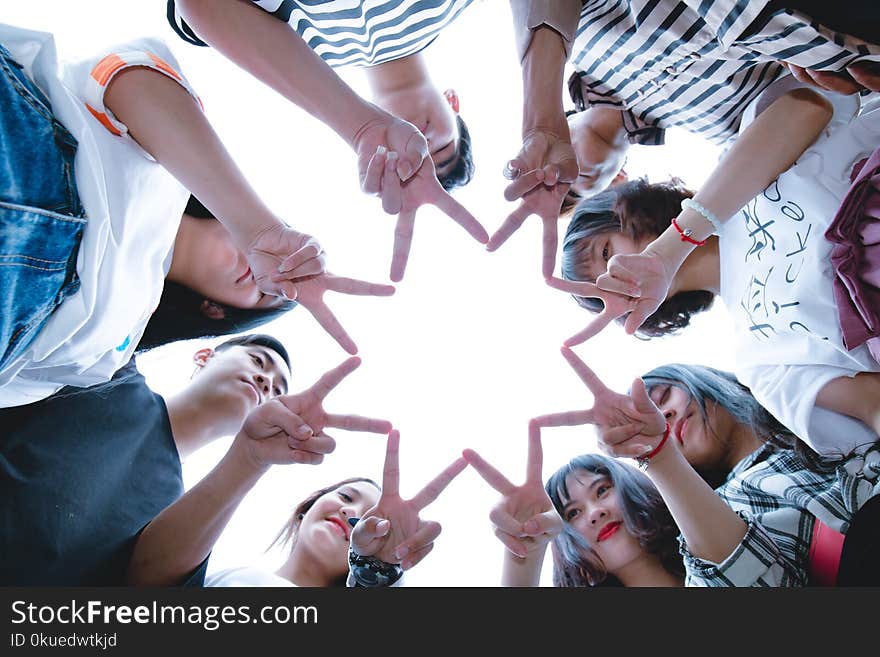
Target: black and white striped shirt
354, 32
689, 64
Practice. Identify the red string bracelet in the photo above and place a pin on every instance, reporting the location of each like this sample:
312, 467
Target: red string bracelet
686, 234
644, 460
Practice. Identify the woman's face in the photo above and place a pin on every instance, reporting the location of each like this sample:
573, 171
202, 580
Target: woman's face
703, 442
324, 531
223, 274
599, 249
595, 512
599, 164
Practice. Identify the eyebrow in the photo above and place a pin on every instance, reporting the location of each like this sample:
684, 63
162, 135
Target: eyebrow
599, 478
440, 165
269, 357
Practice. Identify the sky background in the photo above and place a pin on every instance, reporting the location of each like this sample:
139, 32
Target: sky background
467, 350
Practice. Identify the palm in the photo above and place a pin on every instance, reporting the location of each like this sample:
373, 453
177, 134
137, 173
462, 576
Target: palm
641, 275
280, 254
524, 518
628, 424
310, 294
407, 529
290, 428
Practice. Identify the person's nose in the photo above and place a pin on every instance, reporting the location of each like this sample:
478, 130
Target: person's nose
597, 514
263, 384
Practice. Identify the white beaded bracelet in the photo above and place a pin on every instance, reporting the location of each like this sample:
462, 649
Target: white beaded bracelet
708, 216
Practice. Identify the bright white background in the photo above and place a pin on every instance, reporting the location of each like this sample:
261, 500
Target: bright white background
467, 350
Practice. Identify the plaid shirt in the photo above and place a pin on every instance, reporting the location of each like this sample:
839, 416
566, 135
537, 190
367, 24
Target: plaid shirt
687, 64
780, 501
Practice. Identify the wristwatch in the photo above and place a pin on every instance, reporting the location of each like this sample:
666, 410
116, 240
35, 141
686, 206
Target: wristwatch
371, 572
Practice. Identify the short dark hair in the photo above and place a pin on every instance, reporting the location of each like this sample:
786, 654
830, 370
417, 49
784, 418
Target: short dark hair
260, 339
179, 314
637, 209
463, 171
645, 516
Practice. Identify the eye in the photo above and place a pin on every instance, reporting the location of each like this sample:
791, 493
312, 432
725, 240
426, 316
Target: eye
570, 514
605, 255
346, 498
602, 489
277, 391
258, 360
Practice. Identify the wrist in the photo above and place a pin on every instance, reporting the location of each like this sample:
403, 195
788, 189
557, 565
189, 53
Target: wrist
670, 250
366, 117
242, 460
542, 70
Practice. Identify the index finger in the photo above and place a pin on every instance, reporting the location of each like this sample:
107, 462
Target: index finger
514, 220
524, 183
334, 377
535, 460
550, 241
578, 288
311, 249
437, 485
358, 423
403, 234
588, 376
329, 323
488, 472
462, 216
595, 327
356, 287
565, 419
391, 469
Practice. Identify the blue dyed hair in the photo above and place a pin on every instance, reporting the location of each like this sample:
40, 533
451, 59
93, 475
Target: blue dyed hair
645, 517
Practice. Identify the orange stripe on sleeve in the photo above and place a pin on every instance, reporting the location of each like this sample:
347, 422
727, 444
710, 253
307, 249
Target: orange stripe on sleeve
105, 69
163, 65
103, 119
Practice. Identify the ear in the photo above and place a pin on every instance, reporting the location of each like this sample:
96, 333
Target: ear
202, 356
212, 310
452, 99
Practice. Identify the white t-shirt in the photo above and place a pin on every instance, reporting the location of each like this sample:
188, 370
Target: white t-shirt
776, 279
133, 205
245, 576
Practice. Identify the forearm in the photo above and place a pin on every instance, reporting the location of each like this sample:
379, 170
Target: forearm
183, 535
517, 572
542, 71
858, 397
560, 15
767, 148
274, 53
710, 527
169, 124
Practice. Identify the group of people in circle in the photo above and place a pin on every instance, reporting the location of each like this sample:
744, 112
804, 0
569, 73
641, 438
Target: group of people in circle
126, 225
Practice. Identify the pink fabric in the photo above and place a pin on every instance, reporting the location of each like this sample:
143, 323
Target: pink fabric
855, 256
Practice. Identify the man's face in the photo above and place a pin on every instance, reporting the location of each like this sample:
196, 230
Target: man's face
239, 378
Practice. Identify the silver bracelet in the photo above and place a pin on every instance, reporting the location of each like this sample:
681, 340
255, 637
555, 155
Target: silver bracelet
708, 216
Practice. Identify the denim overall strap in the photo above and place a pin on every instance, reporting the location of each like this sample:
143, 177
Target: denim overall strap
41, 217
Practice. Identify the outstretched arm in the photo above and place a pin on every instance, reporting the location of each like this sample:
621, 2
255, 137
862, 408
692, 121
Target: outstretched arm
288, 429
768, 147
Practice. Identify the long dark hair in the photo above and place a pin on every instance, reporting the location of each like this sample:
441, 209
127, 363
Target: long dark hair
179, 314
639, 210
463, 171
645, 517
706, 384
287, 535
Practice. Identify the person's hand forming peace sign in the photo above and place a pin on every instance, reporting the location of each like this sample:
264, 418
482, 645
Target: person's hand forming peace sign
406, 183
392, 530
290, 428
634, 285
524, 518
629, 426
541, 174
310, 294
